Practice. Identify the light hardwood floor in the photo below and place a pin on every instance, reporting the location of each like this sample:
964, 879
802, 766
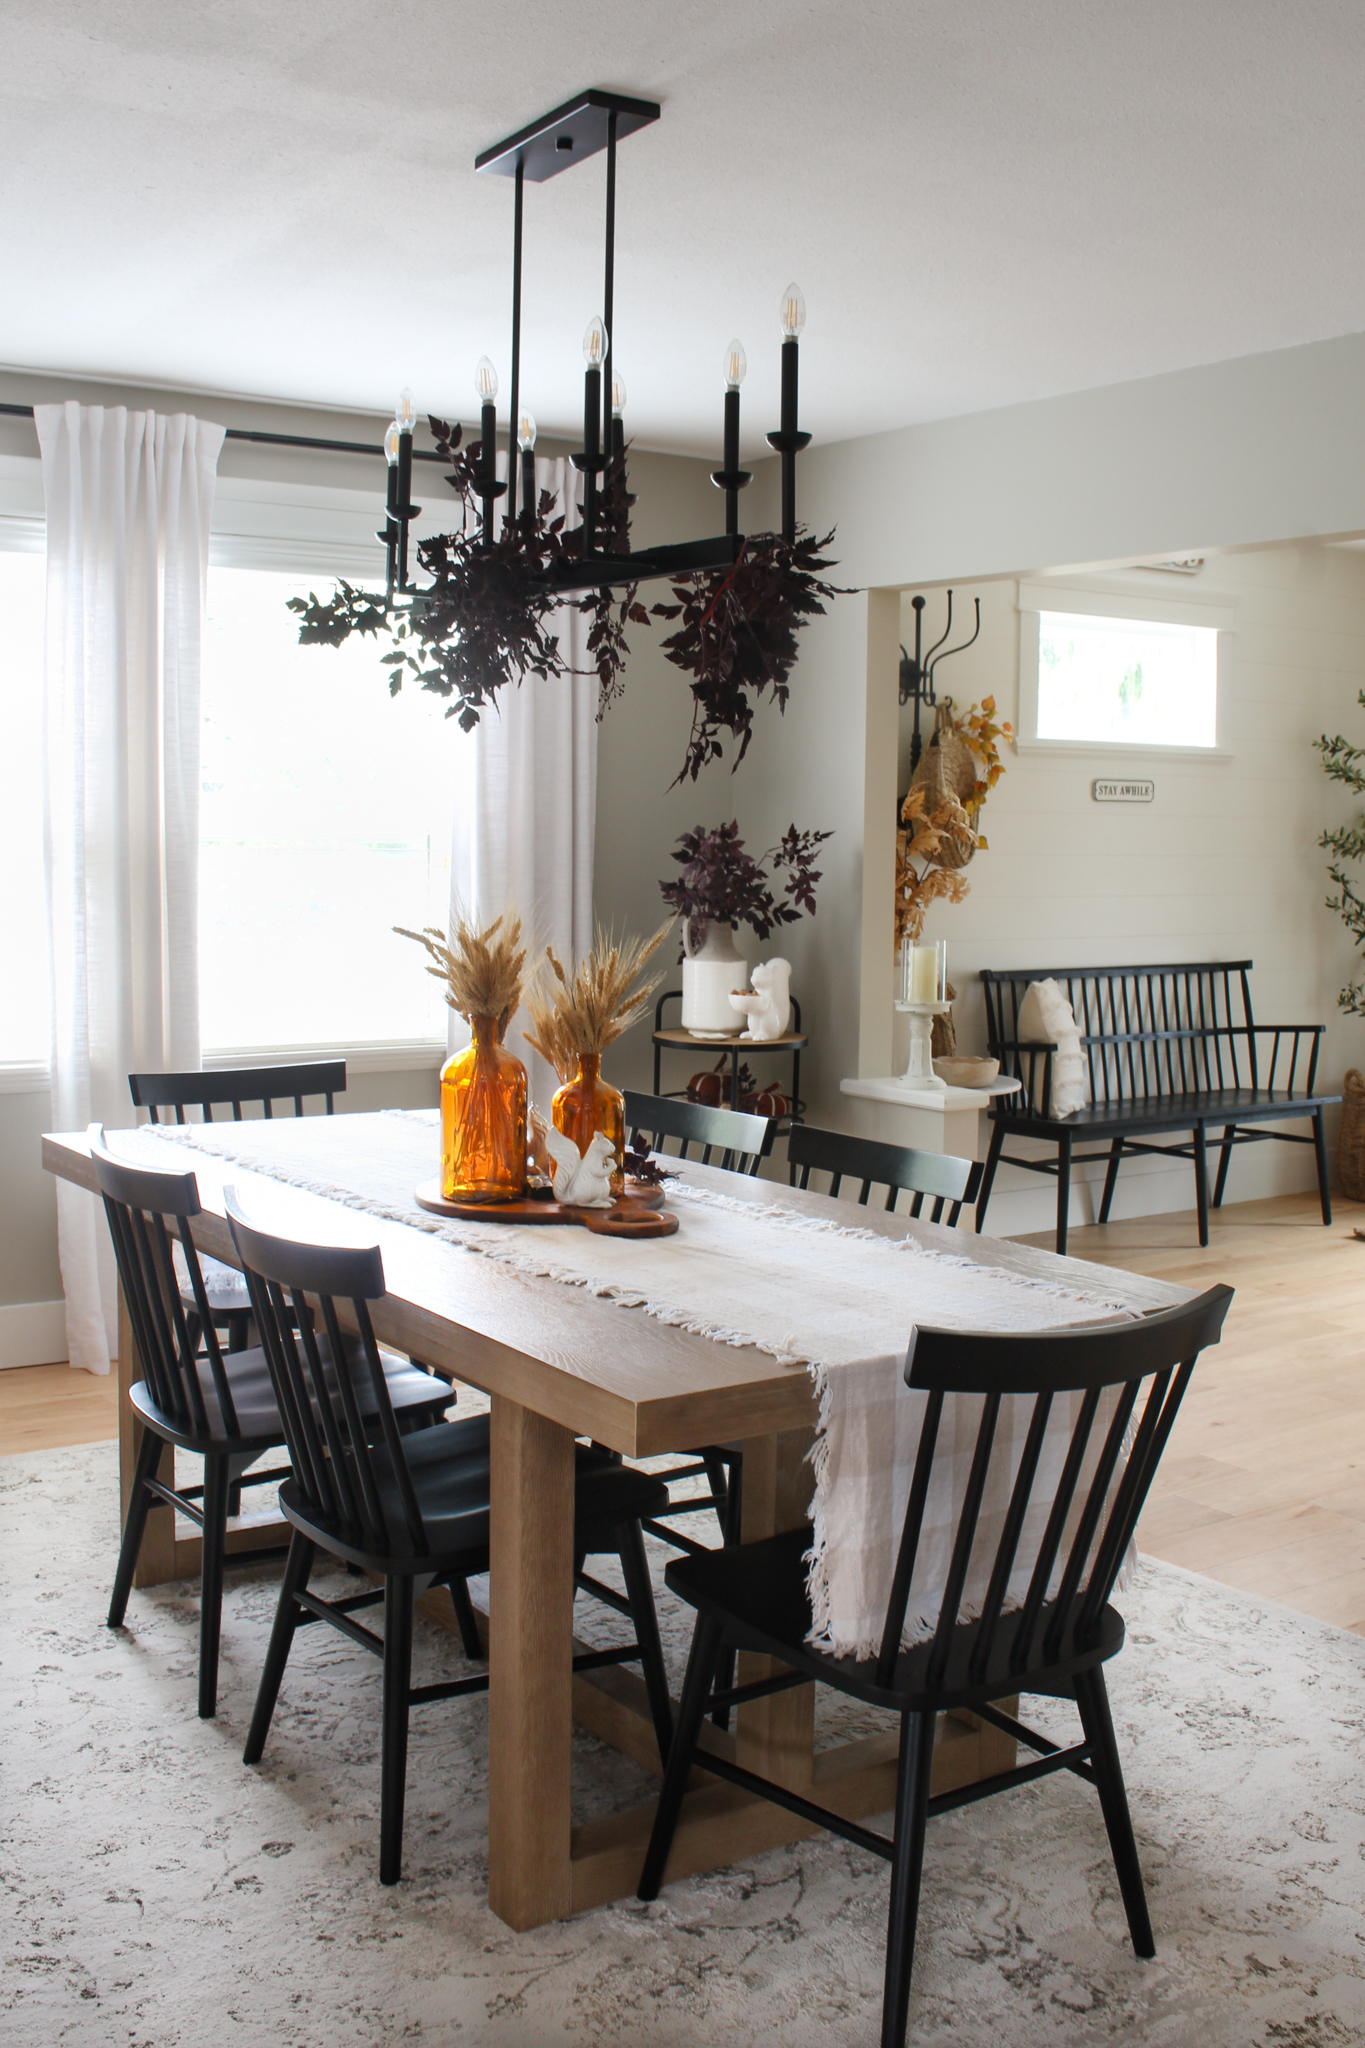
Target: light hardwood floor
1263, 1482
42, 1406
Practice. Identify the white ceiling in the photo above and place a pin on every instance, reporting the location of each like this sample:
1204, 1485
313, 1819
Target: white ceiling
985, 200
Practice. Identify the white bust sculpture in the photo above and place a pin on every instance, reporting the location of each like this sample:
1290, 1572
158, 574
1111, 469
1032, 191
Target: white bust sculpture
583, 1179
768, 1008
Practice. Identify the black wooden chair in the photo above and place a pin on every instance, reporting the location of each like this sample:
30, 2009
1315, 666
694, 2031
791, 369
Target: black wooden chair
741, 1142
219, 1406
1052, 1640
233, 1086
404, 1507
900, 1169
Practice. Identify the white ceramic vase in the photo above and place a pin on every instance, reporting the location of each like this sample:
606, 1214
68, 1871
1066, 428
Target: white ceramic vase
710, 972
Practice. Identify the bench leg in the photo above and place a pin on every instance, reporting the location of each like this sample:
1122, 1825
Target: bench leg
1224, 1161
1320, 1149
1111, 1174
1201, 1183
1063, 1188
993, 1151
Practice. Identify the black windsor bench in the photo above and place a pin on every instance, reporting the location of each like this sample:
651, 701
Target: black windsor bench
1167, 1049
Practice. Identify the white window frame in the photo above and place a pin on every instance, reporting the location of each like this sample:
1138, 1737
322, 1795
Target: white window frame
22, 531
306, 552
1036, 598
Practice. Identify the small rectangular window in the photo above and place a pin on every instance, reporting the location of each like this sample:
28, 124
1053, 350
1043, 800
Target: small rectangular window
1126, 681
1101, 670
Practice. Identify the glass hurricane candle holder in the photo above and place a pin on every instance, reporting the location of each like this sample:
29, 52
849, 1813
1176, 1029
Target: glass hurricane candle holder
586, 1105
483, 1120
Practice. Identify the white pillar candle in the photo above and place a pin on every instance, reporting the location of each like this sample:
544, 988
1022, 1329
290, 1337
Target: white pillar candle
924, 974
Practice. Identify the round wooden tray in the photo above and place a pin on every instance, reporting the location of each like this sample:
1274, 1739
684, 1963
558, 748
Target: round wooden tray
637, 1214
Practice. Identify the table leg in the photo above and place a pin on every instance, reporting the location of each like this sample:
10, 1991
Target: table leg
530, 1666
156, 1561
776, 1737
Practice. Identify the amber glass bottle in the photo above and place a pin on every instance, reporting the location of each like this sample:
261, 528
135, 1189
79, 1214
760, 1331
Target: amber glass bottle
587, 1105
483, 1120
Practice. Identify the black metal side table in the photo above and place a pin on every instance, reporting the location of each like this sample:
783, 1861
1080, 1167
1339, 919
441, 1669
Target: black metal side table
675, 1039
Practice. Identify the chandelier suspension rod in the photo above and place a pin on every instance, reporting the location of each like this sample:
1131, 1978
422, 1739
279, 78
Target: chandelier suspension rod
515, 394
609, 283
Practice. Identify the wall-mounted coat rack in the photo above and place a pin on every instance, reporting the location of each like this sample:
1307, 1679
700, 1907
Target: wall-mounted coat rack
917, 670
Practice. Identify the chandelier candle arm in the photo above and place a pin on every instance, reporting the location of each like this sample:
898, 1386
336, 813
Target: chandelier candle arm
389, 532
789, 440
609, 280
526, 441
730, 478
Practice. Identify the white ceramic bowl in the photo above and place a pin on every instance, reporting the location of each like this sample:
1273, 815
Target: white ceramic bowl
966, 1073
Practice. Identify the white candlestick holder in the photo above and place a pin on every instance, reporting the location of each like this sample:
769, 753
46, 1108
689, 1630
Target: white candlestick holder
920, 1071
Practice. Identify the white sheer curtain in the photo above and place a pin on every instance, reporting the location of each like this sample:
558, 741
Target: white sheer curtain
128, 501
526, 805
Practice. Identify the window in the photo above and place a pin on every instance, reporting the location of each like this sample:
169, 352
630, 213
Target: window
325, 820
24, 1000
1091, 676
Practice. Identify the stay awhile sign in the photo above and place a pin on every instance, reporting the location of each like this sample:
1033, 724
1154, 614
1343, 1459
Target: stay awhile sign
1123, 792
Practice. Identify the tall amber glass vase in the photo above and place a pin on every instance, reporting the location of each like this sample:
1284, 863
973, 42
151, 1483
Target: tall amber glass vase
587, 1105
483, 1120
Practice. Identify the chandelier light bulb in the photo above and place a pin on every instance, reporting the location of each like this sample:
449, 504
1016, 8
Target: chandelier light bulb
485, 381
405, 412
735, 364
618, 394
391, 443
526, 430
793, 312
595, 344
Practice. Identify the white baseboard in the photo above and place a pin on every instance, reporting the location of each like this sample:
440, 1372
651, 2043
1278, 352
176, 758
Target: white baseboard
32, 1333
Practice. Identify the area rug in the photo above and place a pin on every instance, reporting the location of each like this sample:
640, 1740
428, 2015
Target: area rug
159, 1894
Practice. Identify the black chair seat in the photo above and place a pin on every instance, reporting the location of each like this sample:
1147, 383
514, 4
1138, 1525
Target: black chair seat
416, 1397
450, 1468
758, 1596
1165, 1112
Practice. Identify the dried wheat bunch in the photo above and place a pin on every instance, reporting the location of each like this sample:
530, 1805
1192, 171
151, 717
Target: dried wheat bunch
587, 1011
483, 970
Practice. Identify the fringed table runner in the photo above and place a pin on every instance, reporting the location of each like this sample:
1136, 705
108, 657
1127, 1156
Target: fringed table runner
809, 1290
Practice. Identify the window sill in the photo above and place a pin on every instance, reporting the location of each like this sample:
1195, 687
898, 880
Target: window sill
375, 1056
24, 1077
400, 1056
1123, 750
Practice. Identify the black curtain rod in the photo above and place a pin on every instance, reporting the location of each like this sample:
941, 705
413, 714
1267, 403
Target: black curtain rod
282, 440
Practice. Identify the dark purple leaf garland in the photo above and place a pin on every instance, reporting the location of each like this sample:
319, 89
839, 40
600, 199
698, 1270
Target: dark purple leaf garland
737, 639
722, 883
483, 619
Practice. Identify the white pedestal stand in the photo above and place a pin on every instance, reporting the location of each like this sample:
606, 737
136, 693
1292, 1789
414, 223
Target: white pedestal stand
920, 1071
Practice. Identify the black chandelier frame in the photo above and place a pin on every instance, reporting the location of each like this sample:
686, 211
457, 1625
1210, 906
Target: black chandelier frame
583, 127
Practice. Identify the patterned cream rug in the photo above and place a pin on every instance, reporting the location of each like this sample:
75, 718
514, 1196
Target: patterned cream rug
160, 1895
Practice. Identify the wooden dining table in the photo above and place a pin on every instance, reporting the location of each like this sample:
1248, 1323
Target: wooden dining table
558, 1363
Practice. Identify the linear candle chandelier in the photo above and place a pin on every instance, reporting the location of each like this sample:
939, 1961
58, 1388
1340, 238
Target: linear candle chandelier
583, 127
485, 615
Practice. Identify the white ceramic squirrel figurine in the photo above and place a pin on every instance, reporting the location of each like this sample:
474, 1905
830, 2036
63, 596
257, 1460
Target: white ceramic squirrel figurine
769, 1007
583, 1179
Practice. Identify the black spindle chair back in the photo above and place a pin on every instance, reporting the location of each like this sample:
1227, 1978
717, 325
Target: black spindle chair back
1088, 1514
741, 1140
349, 1472
900, 1169
139, 1204
236, 1086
